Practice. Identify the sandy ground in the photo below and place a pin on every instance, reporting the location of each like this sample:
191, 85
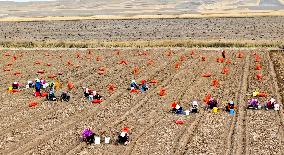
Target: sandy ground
238, 29
54, 127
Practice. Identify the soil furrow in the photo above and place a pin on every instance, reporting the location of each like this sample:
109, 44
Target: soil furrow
263, 127
74, 121
236, 142
215, 125
124, 117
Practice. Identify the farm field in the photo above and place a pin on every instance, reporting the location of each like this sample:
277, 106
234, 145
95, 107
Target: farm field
55, 127
261, 29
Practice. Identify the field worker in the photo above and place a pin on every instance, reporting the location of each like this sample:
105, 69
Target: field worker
86, 92
44, 86
64, 96
15, 85
176, 108
31, 84
51, 95
97, 96
194, 107
123, 138
144, 86
212, 103
276, 107
270, 104
51, 86
253, 103
134, 85
38, 85
56, 85
230, 105
91, 95
42, 81
88, 136
223, 54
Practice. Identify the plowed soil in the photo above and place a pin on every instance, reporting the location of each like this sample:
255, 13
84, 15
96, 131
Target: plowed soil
55, 127
242, 28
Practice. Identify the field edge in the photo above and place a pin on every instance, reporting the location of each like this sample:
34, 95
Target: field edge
186, 43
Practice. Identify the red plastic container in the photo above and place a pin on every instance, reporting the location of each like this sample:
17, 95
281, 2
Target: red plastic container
96, 101
179, 121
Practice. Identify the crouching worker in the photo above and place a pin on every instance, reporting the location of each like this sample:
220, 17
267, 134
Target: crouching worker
64, 96
144, 86
270, 104
51, 96
212, 103
230, 106
254, 104
123, 138
87, 92
194, 107
134, 85
37, 87
31, 84
177, 109
88, 136
97, 96
15, 85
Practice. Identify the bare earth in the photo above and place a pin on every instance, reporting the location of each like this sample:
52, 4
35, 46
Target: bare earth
54, 127
248, 28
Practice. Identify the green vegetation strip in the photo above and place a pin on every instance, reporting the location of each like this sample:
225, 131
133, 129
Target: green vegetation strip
141, 43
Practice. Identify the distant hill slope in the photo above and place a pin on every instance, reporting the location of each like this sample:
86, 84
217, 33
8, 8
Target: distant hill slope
134, 7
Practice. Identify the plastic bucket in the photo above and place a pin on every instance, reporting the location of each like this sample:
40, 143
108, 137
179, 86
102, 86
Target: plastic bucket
186, 112
276, 107
97, 140
232, 111
10, 88
107, 140
215, 109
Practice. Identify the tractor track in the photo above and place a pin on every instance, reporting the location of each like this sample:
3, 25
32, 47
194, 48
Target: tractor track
182, 146
276, 89
239, 121
261, 125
